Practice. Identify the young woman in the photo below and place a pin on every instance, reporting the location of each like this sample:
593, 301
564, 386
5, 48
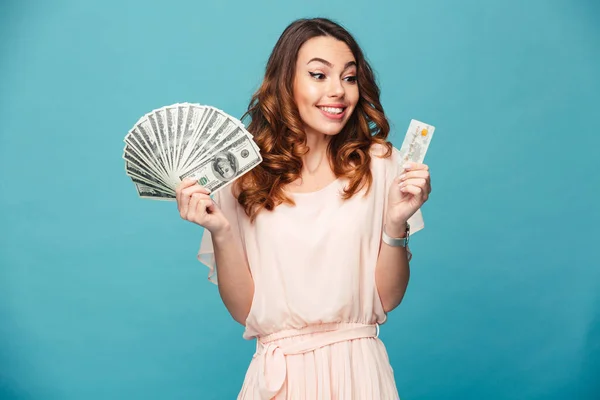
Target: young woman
310, 246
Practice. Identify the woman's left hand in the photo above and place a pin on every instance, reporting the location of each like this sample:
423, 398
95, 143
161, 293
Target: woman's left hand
407, 194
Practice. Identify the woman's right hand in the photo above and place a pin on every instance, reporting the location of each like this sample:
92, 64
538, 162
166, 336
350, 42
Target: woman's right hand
195, 205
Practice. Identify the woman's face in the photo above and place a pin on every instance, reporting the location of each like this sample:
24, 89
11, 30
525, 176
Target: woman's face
325, 87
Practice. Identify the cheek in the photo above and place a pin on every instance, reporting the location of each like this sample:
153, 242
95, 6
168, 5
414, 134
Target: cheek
353, 95
306, 94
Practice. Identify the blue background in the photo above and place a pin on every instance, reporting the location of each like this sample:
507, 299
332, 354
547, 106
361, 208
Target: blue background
100, 293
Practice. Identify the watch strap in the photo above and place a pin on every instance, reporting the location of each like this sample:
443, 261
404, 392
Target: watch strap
396, 242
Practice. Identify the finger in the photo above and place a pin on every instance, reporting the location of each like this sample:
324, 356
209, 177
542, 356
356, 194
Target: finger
414, 174
185, 196
211, 206
201, 209
412, 189
187, 182
419, 182
417, 191
413, 166
180, 187
182, 205
198, 202
205, 206
193, 206
195, 189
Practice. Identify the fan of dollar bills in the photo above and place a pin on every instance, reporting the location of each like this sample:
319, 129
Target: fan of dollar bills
185, 140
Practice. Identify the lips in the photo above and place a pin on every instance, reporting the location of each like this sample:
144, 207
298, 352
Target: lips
333, 111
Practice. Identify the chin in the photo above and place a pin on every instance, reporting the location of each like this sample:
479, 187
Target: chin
328, 128
333, 132
327, 131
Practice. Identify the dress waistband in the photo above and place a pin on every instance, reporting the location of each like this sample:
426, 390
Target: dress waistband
272, 369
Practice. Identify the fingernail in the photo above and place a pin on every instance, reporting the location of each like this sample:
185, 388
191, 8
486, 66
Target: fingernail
406, 166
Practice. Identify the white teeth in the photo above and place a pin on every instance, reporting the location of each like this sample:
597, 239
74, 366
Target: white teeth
332, 110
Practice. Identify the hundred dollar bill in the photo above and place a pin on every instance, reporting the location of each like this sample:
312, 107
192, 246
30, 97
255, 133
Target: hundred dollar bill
146, 192
192, 123
194, 140
417, 139
223, 135
133, 152
134, 170
151, 185
225, 165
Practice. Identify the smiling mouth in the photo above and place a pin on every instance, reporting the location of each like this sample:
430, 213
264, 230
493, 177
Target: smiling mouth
332, 110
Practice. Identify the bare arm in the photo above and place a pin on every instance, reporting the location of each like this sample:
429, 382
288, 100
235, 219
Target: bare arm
392, 272
236, 285
407, 194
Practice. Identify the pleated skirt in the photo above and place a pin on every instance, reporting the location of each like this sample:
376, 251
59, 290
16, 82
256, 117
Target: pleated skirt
356, 369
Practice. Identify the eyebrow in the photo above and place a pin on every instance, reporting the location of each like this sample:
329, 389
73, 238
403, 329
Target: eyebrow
348, 64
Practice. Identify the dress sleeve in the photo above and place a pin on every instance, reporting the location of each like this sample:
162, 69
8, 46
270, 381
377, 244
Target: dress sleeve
230, 208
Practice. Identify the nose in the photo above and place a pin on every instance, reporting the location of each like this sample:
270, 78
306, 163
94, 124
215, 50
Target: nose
336, 88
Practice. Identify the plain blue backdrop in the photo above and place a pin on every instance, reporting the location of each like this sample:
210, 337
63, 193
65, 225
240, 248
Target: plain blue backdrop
101, 296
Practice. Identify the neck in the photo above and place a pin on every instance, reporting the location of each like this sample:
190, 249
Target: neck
316, 158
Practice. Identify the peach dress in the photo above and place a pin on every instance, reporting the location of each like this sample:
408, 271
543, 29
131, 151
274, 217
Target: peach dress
316, 310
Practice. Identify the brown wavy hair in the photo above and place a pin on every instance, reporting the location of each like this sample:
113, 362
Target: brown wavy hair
279, 131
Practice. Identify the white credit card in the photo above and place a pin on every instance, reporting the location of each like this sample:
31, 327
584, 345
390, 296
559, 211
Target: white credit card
417, 139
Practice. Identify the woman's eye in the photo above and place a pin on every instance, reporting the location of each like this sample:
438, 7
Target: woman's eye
351, 79
317, 75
